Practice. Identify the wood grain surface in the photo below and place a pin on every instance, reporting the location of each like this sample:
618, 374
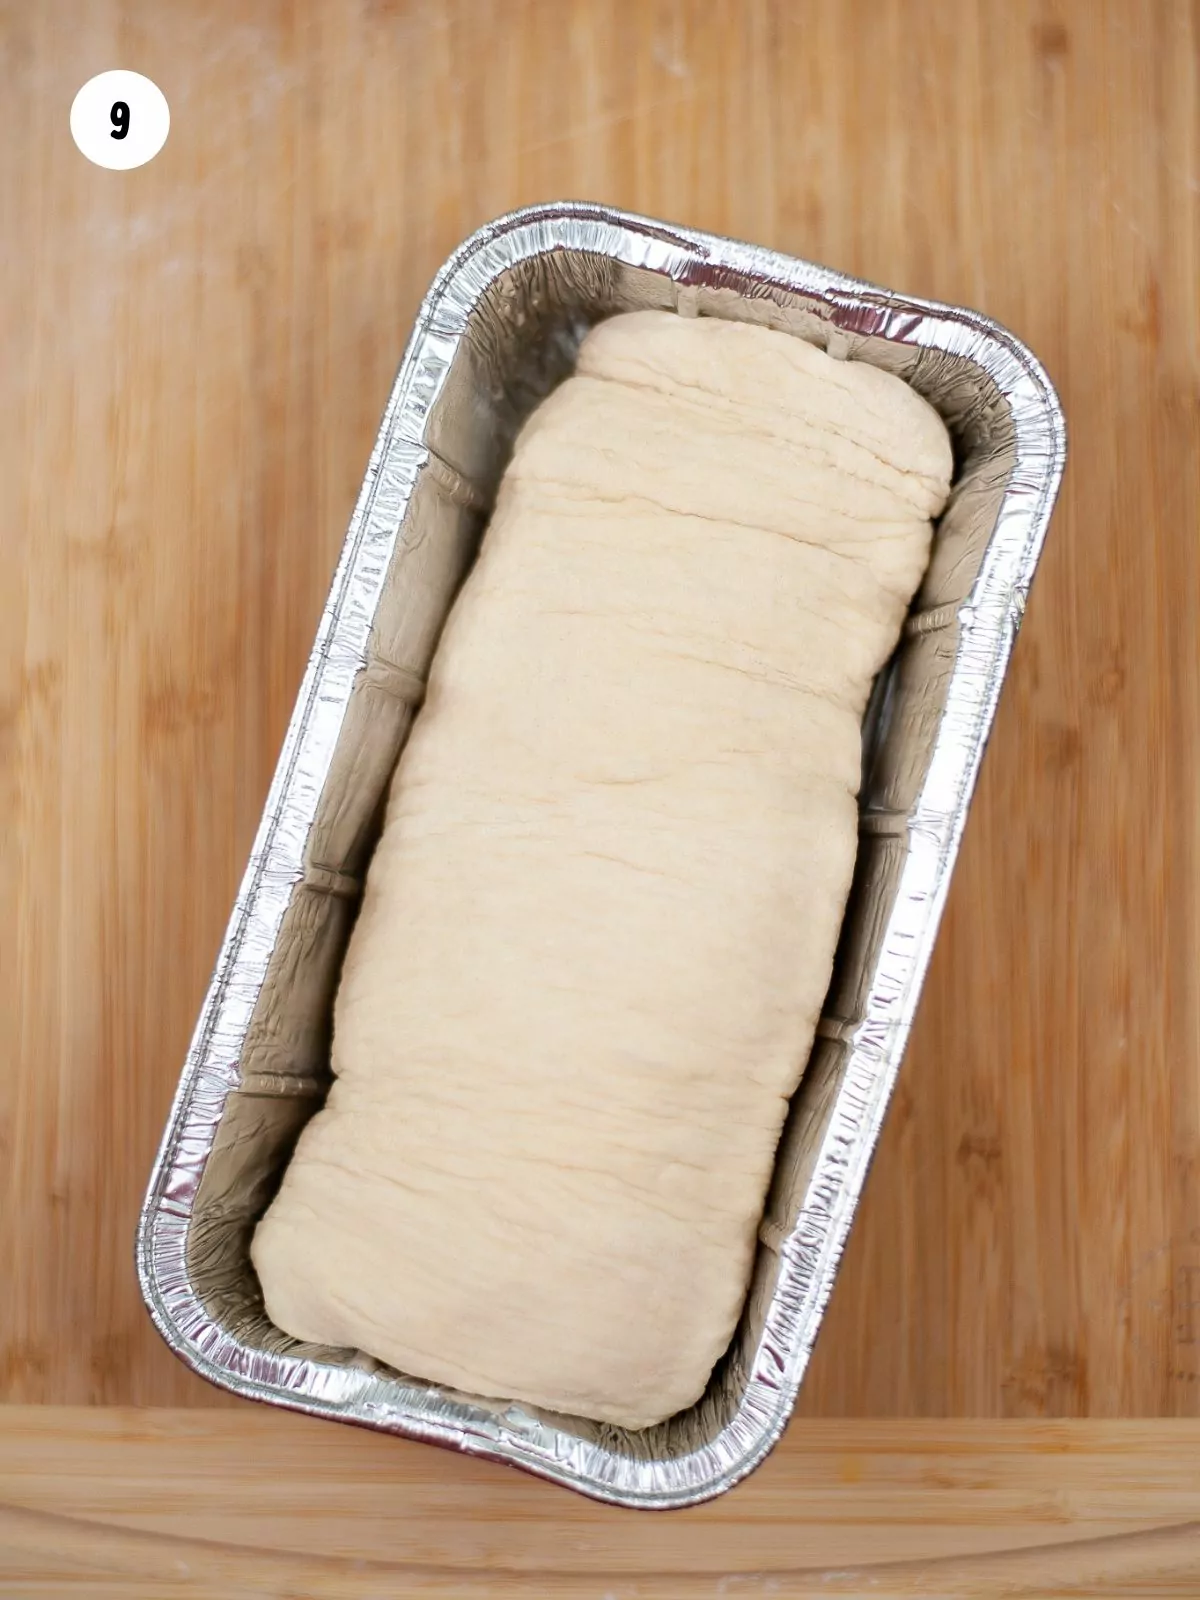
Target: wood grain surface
194, 360
154, 1505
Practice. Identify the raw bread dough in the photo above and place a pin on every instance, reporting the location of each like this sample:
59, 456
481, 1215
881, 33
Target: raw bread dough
599, 925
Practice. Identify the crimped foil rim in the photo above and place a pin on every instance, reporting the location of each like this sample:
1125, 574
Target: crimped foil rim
988, 623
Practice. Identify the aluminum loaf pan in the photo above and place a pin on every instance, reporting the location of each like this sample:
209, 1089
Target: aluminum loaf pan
498, 329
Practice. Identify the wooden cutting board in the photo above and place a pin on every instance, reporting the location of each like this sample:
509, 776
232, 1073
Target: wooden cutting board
194, 359
106, 1504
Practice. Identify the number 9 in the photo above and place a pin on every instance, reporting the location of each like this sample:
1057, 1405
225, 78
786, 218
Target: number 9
119, 116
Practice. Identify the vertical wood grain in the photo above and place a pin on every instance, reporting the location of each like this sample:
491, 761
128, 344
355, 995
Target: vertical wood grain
194, 359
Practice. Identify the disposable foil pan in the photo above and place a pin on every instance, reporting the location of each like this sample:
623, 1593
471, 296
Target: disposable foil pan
498, 329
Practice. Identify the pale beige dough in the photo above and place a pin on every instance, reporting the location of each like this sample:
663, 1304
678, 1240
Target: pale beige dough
599, 925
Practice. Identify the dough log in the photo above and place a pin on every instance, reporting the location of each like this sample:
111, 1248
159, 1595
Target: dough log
600, 922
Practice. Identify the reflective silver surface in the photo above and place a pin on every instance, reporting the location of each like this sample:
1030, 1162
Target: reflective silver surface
498, 329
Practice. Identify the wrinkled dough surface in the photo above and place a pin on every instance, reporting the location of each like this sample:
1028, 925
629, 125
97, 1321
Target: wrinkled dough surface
600, 922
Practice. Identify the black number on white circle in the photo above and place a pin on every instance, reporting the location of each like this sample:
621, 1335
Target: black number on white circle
119, 116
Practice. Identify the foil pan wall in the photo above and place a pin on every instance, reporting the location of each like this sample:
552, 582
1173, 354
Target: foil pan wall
498, 329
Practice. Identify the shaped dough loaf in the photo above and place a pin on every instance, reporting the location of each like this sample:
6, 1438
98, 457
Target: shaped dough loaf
599, 924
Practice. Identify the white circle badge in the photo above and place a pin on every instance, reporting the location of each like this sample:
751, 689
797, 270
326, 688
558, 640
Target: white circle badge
120, 119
